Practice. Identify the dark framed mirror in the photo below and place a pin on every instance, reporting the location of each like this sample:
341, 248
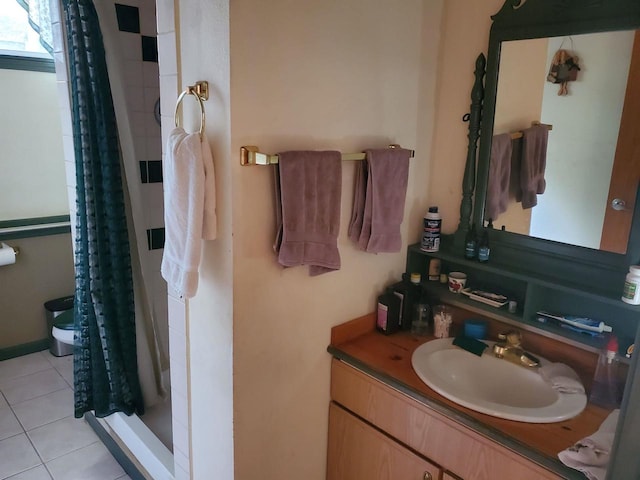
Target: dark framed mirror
603, 33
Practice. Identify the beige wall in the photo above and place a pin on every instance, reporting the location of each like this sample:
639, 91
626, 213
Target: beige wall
314, 75
43, 271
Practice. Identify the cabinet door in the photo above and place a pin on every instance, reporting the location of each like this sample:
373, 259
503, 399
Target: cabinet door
450, 476
358, 451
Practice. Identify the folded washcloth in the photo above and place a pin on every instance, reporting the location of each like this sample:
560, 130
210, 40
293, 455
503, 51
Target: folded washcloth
591, 454
189, 208
308, 194
562, 378
379, 198
533, 164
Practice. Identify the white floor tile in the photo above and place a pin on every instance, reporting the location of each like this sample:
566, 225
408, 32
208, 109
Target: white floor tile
17, 455
89, 463
61, 437
64, 365
25, 365
23, 388
9, 425
38, 473
45, 409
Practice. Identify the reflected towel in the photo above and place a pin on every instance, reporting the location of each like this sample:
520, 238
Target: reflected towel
308, 194
379, 198
591, 454
533, 163
189, 208
499, 176
562, 378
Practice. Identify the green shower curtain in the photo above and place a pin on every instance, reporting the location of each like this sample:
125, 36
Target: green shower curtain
105, 359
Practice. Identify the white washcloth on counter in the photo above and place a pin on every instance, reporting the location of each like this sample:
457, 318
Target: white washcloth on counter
591, 454
189, 208
562, 377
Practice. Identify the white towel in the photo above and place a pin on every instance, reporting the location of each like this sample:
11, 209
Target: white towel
591, 454
189, 208
562, 377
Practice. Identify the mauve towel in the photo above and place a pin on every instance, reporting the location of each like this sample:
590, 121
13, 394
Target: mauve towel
308, 193
375, 222
533, 164
499, 176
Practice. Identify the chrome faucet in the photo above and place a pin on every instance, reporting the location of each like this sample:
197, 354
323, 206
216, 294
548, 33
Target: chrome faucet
508, 347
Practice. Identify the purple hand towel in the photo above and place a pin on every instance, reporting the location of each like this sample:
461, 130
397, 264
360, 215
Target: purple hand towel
308, 194
499, 176
376, 221
533, 164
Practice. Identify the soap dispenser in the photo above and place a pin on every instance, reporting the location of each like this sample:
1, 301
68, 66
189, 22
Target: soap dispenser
607, 389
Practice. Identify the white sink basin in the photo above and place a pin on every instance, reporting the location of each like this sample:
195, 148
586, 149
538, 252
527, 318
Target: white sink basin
491, 385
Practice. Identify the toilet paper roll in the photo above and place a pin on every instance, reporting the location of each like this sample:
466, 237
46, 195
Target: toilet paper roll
7, 255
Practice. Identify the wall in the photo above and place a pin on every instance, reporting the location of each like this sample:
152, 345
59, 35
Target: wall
31, 165
314, 75
43, 271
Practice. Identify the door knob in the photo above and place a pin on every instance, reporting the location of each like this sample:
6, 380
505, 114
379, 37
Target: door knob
427, 476
618, 204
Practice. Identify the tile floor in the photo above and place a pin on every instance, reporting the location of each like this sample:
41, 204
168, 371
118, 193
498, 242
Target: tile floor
39, 437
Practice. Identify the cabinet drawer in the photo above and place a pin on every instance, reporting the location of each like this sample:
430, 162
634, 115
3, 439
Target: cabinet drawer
358, 451
453, 446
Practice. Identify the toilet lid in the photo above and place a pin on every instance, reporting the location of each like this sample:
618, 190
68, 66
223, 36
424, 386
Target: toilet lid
64, 321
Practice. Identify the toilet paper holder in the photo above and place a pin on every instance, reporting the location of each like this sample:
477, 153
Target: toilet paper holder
16, 250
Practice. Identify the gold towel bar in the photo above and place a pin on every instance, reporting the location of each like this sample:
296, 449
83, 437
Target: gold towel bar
250, 155
519, 134
201, 91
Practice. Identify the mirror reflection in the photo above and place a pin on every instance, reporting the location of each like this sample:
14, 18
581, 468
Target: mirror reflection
582, 142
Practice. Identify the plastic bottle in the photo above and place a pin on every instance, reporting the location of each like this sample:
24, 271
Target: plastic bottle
631, 292
388, 318
431, 232
483, 248
409, 292
471, 243
607, 387
421, 317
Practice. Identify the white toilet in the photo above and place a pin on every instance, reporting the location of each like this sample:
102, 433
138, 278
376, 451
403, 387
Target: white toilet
62, 331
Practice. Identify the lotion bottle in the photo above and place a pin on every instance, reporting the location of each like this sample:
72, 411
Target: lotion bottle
607, 389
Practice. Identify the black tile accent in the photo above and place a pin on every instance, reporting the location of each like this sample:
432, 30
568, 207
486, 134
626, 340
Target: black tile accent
149, 49
149, 238
156, 237
144, 178
154, 168
128, 18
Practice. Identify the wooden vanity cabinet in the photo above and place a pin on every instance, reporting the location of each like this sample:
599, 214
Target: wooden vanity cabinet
377, 432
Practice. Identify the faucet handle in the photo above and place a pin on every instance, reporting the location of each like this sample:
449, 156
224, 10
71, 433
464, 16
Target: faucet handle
512, 338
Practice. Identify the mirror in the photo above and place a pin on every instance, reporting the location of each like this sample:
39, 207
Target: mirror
586, 124
581, 145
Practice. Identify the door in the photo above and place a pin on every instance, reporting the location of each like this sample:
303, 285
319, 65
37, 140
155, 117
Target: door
625, 175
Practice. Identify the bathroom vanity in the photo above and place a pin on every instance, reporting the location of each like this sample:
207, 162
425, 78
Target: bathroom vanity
384, 422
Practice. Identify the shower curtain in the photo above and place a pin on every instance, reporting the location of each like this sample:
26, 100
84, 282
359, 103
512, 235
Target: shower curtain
105, 359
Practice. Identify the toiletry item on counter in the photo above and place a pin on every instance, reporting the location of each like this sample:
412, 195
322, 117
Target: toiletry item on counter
408, 291
470, 344
434, 269
388, 319
580, 323
471, 244
631, 292
431, 231
442, 318
475, 329
420, 320
483, 248
608, 385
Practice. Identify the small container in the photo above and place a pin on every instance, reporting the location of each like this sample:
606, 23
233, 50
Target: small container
431, 232
475, 329
420, 322
513, 306
457, 281
471, 244
608, 384
443, 278
442, 319
388, 319
434, 269
631, 292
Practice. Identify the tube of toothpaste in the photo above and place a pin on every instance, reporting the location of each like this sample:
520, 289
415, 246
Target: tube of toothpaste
582, 323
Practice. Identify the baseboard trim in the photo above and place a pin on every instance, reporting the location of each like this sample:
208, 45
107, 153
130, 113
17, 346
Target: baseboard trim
23, 349
125, 462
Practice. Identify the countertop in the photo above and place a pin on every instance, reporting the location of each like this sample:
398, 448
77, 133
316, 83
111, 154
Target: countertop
388, 359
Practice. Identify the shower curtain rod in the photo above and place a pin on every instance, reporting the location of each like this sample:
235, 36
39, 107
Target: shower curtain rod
250, 155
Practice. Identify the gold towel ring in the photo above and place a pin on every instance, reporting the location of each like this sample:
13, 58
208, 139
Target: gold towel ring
201, 91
